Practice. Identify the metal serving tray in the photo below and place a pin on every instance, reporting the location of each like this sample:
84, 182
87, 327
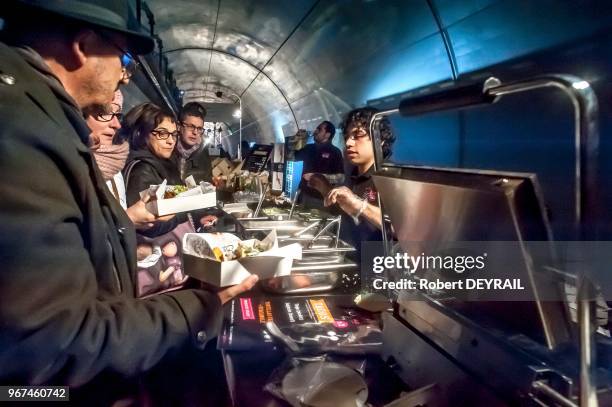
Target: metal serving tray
309, 276
259, 227
257, 224
323, 245
303, 282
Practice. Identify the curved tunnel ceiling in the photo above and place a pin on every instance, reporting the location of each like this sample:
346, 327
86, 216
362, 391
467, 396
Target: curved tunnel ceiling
307, 60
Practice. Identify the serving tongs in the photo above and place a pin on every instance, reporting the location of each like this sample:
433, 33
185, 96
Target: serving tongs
334, 242
295, 198
307, 228
262, 197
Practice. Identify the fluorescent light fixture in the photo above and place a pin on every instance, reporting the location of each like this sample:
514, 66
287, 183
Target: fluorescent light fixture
580, 85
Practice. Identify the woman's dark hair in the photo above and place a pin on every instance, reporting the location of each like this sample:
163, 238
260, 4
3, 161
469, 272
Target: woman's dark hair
140, 121
194, 109
361, 118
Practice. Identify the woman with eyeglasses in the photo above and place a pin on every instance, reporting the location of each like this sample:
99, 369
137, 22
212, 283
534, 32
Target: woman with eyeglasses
110, 151
152, 134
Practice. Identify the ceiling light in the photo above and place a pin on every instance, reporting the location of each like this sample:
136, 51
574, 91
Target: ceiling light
580, 85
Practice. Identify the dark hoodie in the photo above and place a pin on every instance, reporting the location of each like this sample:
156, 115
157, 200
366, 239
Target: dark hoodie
144, 169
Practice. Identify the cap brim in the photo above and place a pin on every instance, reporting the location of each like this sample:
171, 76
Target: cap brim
137, 42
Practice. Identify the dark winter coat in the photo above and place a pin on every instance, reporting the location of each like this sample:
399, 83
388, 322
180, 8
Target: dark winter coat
68, 311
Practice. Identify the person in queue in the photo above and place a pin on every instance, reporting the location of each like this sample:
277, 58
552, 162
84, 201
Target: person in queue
192, 157
152, 134
190, 152
67, 306
110, 152
358, 198
321, 158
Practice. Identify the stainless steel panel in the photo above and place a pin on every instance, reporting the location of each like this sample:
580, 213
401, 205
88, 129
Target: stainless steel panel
433, 206
257, 224
324, 244
303, 266
419, 364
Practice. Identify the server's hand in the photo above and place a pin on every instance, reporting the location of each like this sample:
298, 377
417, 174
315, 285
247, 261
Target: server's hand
345, 198
228, 293
318, 182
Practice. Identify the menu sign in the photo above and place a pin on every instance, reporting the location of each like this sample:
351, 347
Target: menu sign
316, 324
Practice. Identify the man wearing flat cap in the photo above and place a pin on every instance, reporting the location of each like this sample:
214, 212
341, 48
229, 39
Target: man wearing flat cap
68, 312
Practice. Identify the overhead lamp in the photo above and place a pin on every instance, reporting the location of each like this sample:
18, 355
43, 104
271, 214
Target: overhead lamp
237, 114
580, 85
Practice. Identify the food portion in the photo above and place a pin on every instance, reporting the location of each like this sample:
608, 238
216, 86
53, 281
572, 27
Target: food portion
226, 247
274, 211
218, 253
244, 249
173, 190
248, 249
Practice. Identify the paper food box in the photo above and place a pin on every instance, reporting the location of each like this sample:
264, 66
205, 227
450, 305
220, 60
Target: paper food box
221, 167
170, 199
222, 259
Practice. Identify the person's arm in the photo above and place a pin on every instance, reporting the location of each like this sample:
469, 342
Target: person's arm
354, 206
142, 218
318, 182
58, 321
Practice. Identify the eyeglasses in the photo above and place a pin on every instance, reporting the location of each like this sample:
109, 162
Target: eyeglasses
164, 134
128, 62
356, 134
191, 127
107, 117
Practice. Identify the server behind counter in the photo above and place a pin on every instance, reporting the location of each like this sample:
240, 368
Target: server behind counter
358, 197
320, 158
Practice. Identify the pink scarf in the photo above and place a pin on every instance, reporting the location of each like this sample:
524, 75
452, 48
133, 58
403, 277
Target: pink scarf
111, 158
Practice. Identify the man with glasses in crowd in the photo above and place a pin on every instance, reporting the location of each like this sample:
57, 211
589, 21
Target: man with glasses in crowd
191, 153
67, 248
